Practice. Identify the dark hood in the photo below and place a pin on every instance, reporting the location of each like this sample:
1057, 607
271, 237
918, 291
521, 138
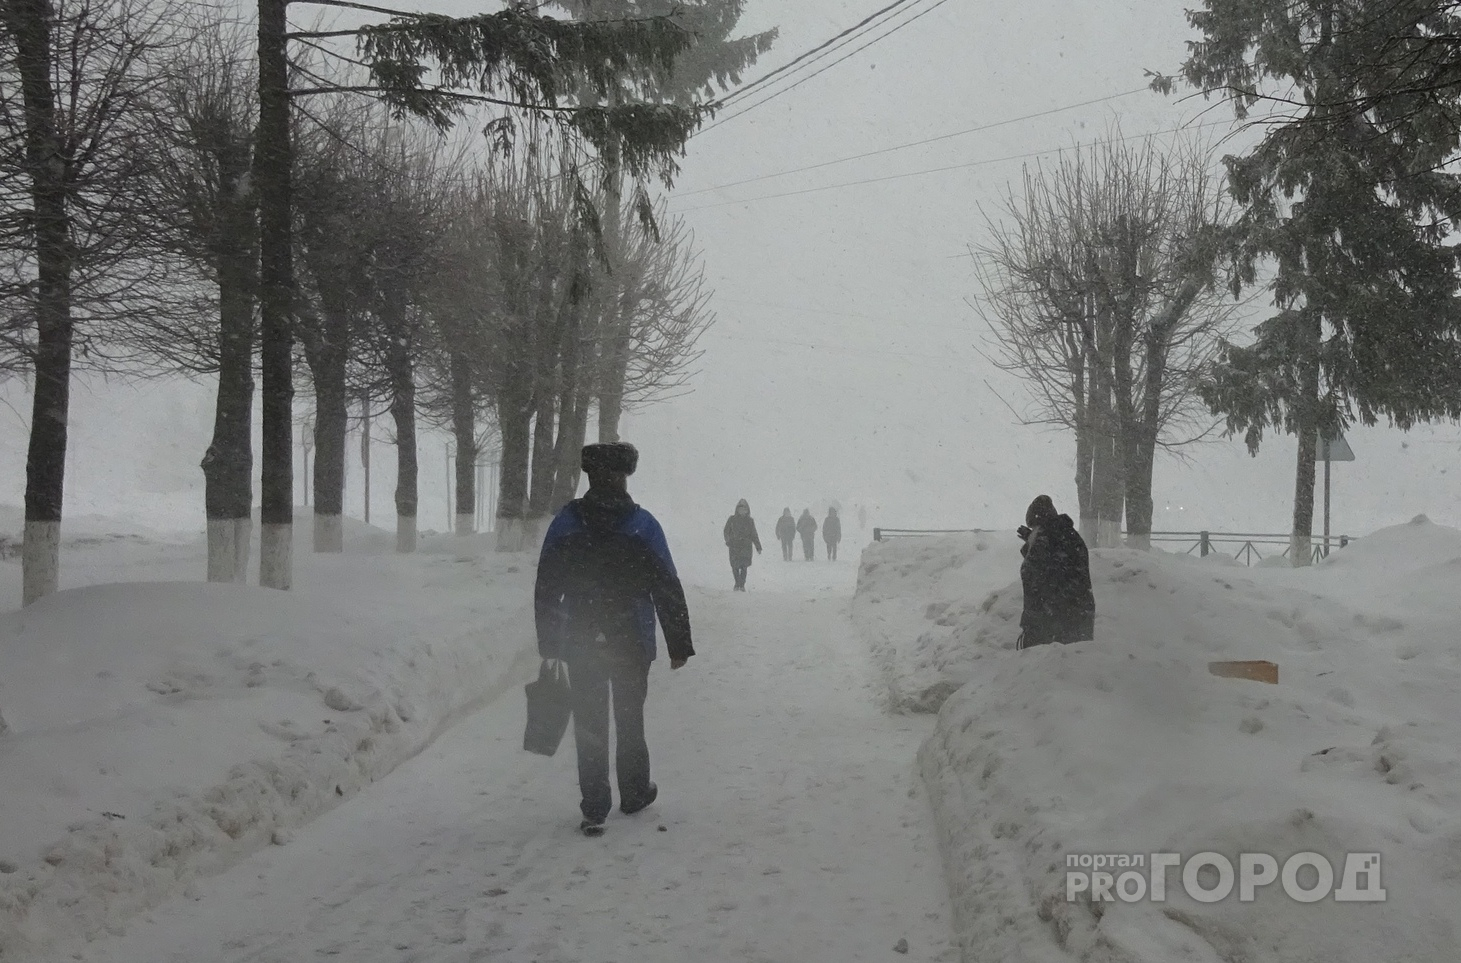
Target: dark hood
605, 509
743, 504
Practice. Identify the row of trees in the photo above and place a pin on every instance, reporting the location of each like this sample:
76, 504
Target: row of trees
1098, 285
153, 219
1342, 217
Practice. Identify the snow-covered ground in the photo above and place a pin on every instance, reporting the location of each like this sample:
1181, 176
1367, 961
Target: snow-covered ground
791, 824
1129, 745
160, 728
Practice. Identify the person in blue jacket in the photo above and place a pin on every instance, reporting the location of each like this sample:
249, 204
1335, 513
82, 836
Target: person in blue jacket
605, 573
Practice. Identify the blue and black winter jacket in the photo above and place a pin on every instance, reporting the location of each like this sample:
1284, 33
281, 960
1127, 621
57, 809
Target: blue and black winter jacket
606, 567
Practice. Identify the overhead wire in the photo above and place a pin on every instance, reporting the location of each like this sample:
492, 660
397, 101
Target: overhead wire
917, 143
747, 88
951, 167
816, 73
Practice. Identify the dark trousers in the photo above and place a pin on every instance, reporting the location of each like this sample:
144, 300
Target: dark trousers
739, 571
595, 668
786, 549
809, 546
831, 551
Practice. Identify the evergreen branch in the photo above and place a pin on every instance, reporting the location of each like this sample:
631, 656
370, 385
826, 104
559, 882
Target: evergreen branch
427, 92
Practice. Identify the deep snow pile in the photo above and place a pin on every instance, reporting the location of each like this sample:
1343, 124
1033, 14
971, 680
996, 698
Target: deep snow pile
157, 730
1129, 745
928, 613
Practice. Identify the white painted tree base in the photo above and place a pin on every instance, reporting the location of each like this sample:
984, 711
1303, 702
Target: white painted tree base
1142, 543
1301, 550
405, 534
512, 535
1108, 533
243, 545
223, 550
466, 524
276, 555
329, 533
40, 560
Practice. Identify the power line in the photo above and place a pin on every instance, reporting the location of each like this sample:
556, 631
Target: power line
951, 167
747, 88
916, 143
785, 90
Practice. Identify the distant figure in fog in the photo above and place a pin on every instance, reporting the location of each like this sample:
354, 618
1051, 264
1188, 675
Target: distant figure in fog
832, 533
806, 526
862, 517
1056, 575
740, 538
786, 533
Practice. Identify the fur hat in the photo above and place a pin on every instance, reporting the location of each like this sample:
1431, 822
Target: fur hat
1041, 510
612, 456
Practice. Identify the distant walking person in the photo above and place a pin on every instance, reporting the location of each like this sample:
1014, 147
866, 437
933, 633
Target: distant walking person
806, 526
832, 533
1056, 575
786, 533
740, 538
604, 574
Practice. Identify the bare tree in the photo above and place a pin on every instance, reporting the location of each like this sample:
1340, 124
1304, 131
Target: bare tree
202, 145
333, 233
661, 294
1097, 284
78, 230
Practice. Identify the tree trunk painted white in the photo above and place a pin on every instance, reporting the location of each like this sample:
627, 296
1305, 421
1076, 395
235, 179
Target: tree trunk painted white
1108, 533
466, 523
223, 550
1301, 549
406, 533
275, 555
511, 535
1140, 541
329, 533
40, 557
242, 545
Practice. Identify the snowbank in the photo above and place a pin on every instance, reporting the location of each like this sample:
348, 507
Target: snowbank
1129, 745
158, 730
925, 607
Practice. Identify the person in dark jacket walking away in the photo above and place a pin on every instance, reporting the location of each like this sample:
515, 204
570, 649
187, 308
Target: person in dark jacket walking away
832, 533
740, 538
1056, 575
786, 533
605, 573
806, 526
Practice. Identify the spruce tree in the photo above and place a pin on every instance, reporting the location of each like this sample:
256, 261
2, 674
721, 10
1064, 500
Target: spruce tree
1345, 217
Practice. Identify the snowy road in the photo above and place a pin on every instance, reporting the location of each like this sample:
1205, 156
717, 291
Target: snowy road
790, 827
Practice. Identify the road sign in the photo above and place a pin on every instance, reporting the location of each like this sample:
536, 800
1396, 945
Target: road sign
1333, 449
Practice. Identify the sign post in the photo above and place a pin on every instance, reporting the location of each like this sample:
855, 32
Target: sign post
1331, 450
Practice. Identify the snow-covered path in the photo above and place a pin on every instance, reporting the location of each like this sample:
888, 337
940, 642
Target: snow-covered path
790, 827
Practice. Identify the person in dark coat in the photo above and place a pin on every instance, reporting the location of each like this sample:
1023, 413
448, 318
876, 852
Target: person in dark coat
806, 526
605, 573
786, 533
832, 533
740, 538
1056, 575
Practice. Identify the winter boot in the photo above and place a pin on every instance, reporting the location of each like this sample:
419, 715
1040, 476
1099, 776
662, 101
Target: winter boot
592, 827
630, 808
